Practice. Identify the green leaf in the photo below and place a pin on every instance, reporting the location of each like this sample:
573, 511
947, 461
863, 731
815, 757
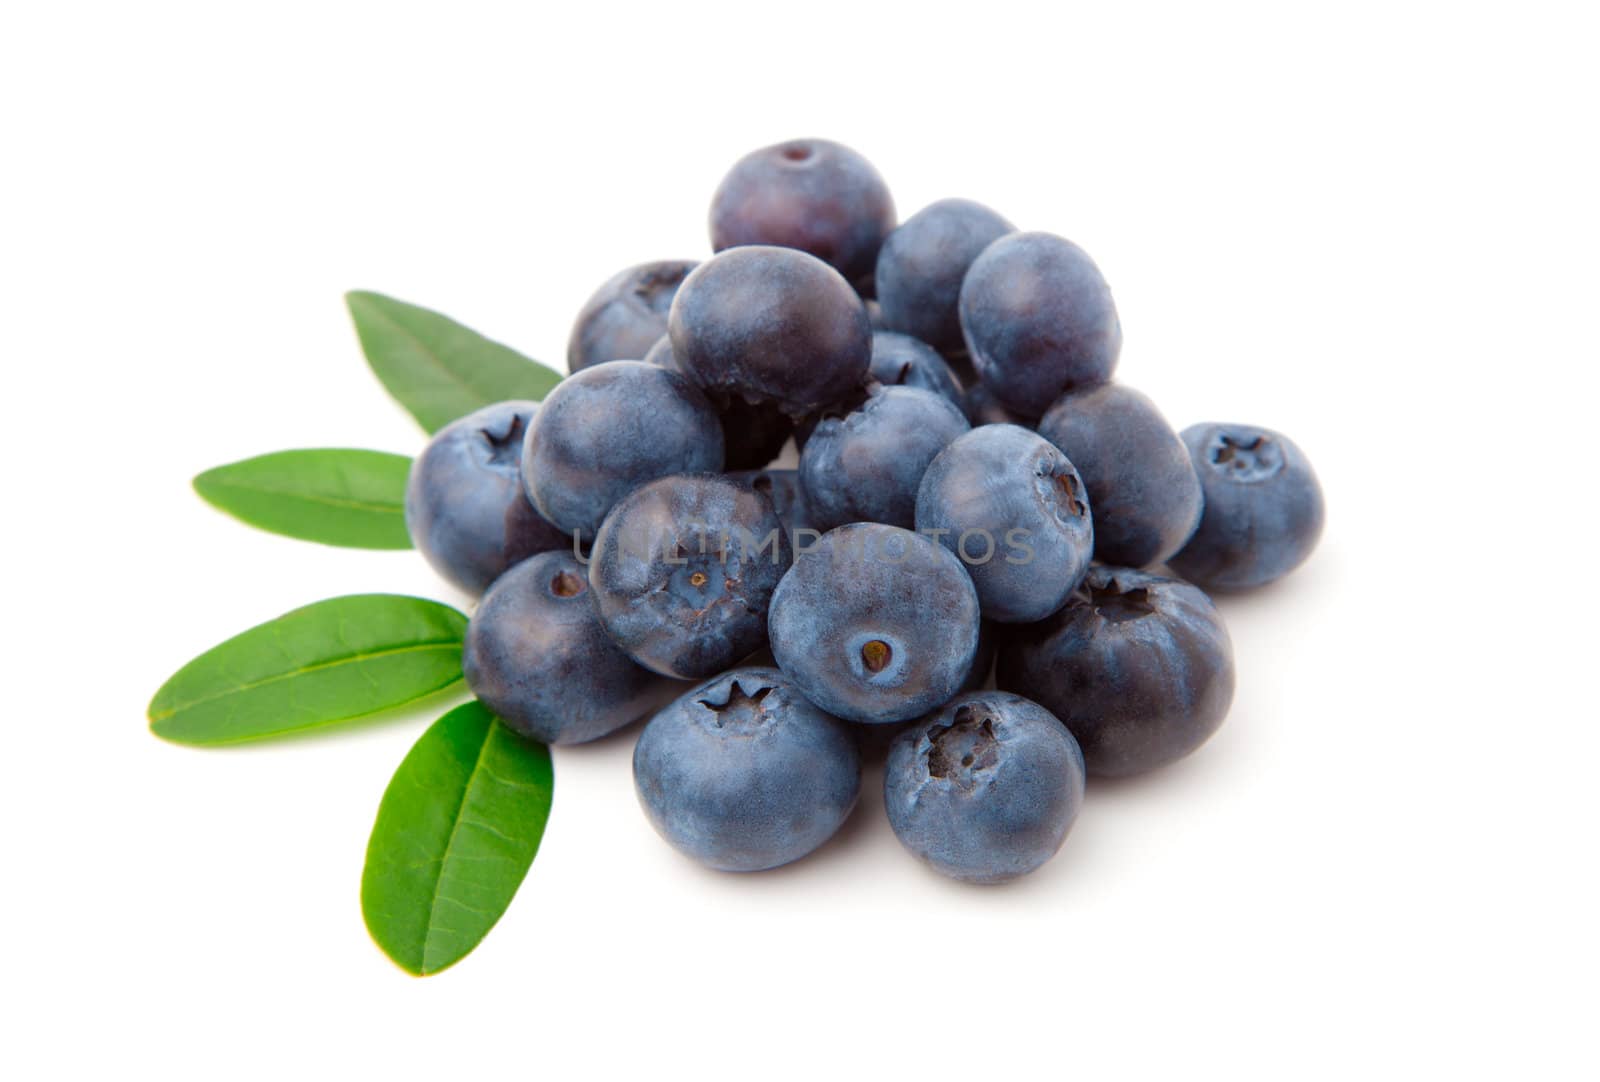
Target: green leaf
339, 497
339, 659
456, 831
435, 367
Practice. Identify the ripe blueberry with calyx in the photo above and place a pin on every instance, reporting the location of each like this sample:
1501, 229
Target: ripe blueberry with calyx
744, 774
1138, 666
1263, 507
986, 788
466, 509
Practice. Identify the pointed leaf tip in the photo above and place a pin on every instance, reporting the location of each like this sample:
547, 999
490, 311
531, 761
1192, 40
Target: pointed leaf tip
436, 368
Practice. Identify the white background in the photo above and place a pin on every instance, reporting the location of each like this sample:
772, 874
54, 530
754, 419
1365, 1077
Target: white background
1373, 228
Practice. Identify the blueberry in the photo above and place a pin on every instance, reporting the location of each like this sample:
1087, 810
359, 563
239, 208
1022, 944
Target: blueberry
1139, 667
771, 325
922, 263
810, 194
537, 656
743, 774
875, 624
625, 316
898, 360
1263, 507
683, 570
1142, 487
465, 506
1012, 507
753, 433
607, 430
985, 789
1038, 320
982, 408
782, 487
660, 354
865, 466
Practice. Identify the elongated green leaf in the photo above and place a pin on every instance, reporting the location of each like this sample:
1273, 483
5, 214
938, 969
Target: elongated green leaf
436, 368
456, 831
332, 661
338, 497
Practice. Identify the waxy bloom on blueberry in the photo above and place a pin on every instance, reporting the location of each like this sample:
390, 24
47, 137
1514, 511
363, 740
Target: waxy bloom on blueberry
1038, 320
1138, 666
684, 568
875, 624
626, 315
465, 507
1003, 485
986, 788
1143, 491
866, 465
811, 194
1263, 507
607, 430
537, 656
771, 325
744, 774
922, 263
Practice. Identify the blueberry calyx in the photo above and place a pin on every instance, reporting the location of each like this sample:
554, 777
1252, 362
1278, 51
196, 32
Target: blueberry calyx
1246, 459
966, 747
566, 584
505, 451
1068, 496
741, 708
1115, 605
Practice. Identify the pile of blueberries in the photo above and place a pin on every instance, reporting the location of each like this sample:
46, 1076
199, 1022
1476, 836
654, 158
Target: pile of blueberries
976, 505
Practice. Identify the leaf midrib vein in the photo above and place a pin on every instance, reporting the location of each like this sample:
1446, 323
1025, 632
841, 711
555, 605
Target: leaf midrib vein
394, 508
430, 353
455, 832
305, 669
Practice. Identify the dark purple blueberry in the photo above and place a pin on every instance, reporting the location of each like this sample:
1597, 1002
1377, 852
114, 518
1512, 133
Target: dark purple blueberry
1038, 320
465, 507
660, 354
607, 430
1142, 487
810, 194
683, 570
743, 774
985, 789
771, 325
1139, 667
625, 316
1263, 507
1010, 505
875, 624
922, 263
753, 433
981, 408
898, 360
537, 656
866, 465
